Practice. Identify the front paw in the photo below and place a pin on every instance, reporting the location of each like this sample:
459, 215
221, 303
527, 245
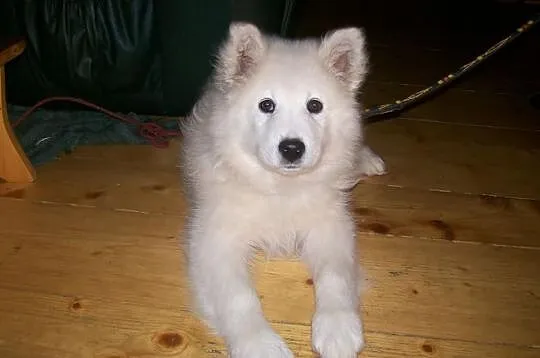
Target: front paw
337, 333
262, 344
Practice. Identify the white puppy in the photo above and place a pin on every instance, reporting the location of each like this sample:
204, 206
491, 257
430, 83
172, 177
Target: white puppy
270, 151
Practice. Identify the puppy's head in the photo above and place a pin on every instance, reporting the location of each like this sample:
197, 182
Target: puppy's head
290, 105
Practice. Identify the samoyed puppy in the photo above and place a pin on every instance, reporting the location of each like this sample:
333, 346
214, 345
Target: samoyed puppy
271, 151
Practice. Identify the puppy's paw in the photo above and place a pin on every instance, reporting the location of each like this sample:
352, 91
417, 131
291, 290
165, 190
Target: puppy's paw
262, 344
337, 334
370, 163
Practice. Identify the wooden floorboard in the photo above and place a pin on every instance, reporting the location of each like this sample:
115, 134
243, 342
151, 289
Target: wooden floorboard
395, 211
106, 270
463, 159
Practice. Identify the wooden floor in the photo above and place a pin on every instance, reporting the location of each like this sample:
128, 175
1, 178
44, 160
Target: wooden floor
91, 262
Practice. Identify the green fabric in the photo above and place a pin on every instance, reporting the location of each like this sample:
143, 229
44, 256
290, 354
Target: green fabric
46, 134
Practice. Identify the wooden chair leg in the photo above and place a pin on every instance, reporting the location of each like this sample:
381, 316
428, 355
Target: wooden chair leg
14, 164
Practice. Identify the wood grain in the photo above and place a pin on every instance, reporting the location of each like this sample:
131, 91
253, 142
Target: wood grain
472, 159
162, 336
404, 209
425, 288
398, 212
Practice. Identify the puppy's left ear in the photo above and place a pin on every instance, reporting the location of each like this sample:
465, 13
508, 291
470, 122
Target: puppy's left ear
343, 53
240, 55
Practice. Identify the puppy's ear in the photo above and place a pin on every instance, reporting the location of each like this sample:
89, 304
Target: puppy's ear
344, 54
240, 54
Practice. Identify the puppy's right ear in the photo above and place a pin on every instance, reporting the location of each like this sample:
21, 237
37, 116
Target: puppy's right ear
240, 54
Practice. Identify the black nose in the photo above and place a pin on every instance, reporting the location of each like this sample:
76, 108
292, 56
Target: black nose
292, 149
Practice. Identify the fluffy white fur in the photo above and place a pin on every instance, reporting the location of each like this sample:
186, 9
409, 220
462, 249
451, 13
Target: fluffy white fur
244, 196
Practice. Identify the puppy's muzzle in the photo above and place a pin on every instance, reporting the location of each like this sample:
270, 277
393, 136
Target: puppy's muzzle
291, 150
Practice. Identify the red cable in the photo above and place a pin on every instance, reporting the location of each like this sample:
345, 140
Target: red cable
153, 132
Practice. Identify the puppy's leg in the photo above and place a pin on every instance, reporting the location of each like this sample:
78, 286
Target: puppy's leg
370, 164
330, 253
367, 164
221, 281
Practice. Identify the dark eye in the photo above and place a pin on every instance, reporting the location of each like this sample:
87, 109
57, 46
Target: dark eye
314, 106
267, 106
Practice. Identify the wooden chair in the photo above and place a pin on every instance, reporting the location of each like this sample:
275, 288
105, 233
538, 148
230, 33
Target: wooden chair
14, 164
